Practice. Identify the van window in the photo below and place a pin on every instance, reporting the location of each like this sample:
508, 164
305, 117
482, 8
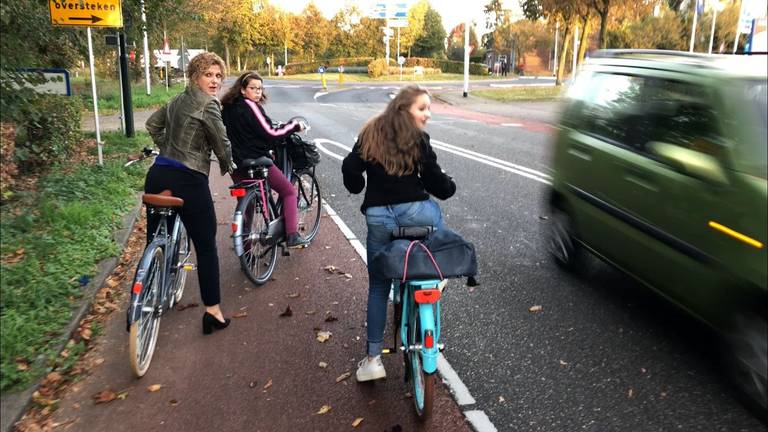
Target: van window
612, 109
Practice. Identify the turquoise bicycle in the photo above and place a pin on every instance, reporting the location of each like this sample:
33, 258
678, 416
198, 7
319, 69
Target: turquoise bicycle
416, 326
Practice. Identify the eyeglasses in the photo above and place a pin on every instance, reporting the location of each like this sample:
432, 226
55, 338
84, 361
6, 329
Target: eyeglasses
256, 88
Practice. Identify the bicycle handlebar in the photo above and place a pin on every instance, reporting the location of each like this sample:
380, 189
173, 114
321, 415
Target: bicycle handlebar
145, 153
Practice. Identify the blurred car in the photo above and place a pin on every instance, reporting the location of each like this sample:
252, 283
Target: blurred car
660, 169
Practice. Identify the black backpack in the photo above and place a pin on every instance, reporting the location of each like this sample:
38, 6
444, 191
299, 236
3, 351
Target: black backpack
303, 154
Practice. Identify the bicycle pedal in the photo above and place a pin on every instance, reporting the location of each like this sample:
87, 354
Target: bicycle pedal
189, 267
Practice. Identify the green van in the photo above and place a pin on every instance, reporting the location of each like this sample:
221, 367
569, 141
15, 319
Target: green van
660, 170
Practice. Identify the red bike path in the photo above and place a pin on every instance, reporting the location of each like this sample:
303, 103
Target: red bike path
264, 372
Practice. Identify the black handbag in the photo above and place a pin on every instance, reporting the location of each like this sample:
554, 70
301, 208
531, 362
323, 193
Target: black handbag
440, 255
303, 154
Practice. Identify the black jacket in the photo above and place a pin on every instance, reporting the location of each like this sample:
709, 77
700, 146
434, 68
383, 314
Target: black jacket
385, 189
250, 130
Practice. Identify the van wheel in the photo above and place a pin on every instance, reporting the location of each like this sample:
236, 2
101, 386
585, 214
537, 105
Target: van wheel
567, 253
749, 355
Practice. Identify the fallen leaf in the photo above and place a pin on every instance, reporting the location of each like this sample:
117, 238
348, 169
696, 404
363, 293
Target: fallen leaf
122, 395
86, 334
268, 384
330, 269
323, 365
311, 312
252, 384
180, 307
53, 377
357, 422
242, 314
563, 363
323, 336
287, 312
104, 396
331, 318
324, 409
173, 402
22, 364
154, 387
501, 399
630, 393
343, 376
292, 295
347, 275
535, 308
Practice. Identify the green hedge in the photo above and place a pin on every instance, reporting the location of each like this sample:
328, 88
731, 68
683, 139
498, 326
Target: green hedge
447, 66
49, 130
311, 67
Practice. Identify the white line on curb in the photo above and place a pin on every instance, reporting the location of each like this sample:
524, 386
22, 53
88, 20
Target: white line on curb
480, 421
477, 418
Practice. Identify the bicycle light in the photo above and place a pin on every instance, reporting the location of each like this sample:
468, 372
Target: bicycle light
426, 295
237, 192
429, 339
137, 287
234, 227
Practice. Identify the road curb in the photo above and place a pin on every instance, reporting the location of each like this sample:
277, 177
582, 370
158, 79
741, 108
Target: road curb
14, 405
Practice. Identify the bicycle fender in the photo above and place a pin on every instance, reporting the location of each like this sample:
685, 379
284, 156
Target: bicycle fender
428, 355
237, 221
141, 274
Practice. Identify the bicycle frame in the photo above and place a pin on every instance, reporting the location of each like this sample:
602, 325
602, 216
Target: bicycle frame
429, 320
166, 242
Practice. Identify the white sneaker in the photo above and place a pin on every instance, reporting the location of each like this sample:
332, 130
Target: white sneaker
370, 370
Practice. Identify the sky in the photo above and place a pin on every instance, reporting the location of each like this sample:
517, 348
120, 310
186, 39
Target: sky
453, 11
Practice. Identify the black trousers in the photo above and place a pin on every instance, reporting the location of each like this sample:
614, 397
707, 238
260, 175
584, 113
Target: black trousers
199, 219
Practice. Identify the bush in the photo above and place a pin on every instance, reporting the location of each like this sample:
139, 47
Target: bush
446, 66
311, 67
7, 166
50, 129
377, 68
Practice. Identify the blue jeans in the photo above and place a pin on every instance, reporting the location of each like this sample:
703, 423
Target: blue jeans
381, 221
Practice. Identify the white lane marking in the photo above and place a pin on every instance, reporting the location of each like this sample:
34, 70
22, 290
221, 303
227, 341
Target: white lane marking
459, 390
512, 124
320, 141
492, 161
480, 422
477, 418
318, 94
522, 85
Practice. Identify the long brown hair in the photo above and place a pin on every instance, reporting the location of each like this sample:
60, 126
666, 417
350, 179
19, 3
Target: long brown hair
392, 138
240, 84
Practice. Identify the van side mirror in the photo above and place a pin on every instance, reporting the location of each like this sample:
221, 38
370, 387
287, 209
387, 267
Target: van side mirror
690, 162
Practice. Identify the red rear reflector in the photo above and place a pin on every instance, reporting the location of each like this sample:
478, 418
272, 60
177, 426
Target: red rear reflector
234, 227
429, 340
137, 287
237, 192
426, 296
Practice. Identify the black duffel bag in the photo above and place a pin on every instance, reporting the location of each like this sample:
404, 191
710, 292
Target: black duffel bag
303, 154
442, 254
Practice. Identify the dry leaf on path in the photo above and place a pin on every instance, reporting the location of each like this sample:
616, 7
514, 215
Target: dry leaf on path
323, 365
324, 409
323, 336
357, 422
535, 308
268, 384
104, 396
292, 295
287, 312
343, 376
311, 312
154, 387
331, 318
242, 314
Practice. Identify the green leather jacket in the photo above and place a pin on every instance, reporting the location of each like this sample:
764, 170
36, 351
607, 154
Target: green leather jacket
189, 128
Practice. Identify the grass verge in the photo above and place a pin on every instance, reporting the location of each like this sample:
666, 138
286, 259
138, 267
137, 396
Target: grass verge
52, 237
521, 93
333, 78
108, 92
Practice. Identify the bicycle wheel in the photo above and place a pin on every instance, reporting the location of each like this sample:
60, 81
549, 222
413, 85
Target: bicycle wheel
308, 190
146, 325
423, 383
259, 256
183, 249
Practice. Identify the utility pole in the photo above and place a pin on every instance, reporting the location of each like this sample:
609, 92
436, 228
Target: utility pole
147, 78
466, 58
557, 33
126, 83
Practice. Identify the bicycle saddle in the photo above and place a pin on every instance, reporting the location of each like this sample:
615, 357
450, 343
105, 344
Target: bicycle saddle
163, 199
262, 162
412, 232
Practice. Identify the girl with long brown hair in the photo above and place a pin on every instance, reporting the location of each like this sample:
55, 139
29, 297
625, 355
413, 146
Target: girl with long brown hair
394, 152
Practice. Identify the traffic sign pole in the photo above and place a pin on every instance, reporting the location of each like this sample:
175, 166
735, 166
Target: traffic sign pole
95, 99
126, 83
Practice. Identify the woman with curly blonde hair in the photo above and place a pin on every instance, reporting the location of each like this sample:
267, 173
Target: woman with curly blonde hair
394, 152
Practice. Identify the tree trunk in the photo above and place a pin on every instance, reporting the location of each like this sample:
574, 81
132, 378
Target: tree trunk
238, 60
603, 24
226, 55
563, 53
584, 38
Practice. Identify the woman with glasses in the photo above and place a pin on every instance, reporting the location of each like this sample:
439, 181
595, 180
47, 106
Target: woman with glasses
252, 135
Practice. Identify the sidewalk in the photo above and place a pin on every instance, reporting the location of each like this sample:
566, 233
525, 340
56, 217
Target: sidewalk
538, 111
264, 372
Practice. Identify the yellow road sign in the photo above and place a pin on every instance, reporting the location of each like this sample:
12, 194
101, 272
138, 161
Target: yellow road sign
86, 13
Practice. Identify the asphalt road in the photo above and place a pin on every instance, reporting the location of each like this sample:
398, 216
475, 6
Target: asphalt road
602, 353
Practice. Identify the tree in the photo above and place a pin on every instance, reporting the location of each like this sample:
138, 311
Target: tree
432, 42
315, 32
415, 29
456, 42
564, 12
